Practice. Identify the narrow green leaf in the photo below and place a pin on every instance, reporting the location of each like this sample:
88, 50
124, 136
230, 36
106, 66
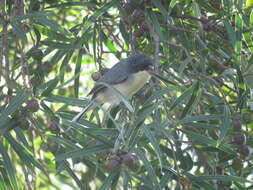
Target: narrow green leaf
8, 164
149, 168
82, 152
200, 118
226, 122
142, 115
204, 126
73, 175
66, 100
153, 141
72, 4
126, 179
60, 45
46, 88
163, 79
133, 138
35, 15
195, 90
15, 103
115, 181
64, 64
196, 10
172, 3
109, 44
23, 152
120, 96
165, 179
63, 141
204, 185
241, 187
93, 130
184, 64
42, 19
108, 181
219, 178
238, 30
97, 14
157, 94
123, 31
159, 5
231, 33
182, 97
248, 40
208, 141
19, 31
21, 137
249, 3
8, 125
3, 184
153, 21
95, 40
171, 170
38, 35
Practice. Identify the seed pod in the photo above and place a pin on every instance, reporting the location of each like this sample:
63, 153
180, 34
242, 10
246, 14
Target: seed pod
138, 16
113, 164
244, 150
35, 81
24, 124
37, 54
131, 161
17, 114
96, 76
236, 124
237, 163
32, 105
247, 117
239, 138
52, 146
54, 128
47, 67
128, 8
138, 33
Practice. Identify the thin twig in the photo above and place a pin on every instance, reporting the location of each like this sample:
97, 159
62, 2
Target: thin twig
26, 173
209, 55
6, 48
203, 158
174, 156
172, 27
115, 39
192, 18
99, 47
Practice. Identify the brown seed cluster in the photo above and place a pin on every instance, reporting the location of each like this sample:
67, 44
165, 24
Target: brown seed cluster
123, 159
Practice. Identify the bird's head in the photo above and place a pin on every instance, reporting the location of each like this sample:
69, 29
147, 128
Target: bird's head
140, 62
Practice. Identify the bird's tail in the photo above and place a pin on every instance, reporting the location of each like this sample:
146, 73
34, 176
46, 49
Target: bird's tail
82, 113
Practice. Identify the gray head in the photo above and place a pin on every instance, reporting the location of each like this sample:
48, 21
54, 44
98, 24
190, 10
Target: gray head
139, 62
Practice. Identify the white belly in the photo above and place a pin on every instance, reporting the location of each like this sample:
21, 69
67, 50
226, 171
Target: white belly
128, 88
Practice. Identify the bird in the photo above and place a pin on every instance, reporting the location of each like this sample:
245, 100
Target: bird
128, 76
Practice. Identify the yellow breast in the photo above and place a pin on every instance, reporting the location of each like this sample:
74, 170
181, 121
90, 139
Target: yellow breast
127, 88
133, 84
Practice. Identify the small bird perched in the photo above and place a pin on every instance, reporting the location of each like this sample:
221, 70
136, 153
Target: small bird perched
127, 76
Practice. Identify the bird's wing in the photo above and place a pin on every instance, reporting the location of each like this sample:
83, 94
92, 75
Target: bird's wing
117, 74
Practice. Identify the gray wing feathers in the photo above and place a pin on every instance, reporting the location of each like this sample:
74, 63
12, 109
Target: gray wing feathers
117, 74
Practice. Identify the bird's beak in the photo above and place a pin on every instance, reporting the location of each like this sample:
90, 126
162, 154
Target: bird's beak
151, 70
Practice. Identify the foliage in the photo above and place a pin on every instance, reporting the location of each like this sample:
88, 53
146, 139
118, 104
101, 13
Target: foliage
189, 128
